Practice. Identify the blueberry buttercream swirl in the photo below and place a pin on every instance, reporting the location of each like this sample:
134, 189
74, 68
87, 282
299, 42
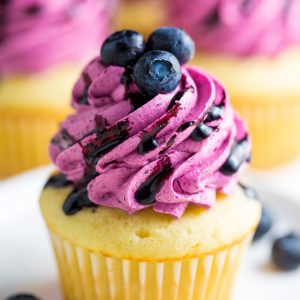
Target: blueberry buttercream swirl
36, 34
131, 151
239, 27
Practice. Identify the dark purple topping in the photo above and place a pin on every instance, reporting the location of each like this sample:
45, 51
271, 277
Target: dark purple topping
171, 141
214, 113
63, 139
185, 126
137, 99
106, 140
58, 181
126, 78
201, 132
83, 100
175, 99
33, 9
286, 252
249, 191
147, 144
213, 19
76, 201
4, 2
236, 158
264, 226
22, 297
147, 191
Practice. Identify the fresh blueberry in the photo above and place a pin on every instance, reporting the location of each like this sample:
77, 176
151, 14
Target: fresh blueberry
264, 225
201, 132
286, 252
174, 40
157, 72
22, 297
123, 48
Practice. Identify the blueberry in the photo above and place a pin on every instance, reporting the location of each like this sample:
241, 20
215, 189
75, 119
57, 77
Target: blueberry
236, 158
22, 297
286, 252
174, 40
123, 48
264, 225
201, 132
157, 72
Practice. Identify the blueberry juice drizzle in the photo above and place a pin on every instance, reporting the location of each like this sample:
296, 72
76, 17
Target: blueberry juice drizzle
236, 158
147, 191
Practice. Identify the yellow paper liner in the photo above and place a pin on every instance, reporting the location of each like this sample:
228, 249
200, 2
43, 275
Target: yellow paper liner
86, 275
274, 127
24, 139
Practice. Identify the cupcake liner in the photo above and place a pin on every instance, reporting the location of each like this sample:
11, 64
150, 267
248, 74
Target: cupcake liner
24, 139
89, 275
274, 124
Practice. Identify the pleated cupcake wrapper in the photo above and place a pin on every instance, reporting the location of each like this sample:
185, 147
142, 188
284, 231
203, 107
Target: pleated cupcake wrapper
86, 275
274, 128
24, 141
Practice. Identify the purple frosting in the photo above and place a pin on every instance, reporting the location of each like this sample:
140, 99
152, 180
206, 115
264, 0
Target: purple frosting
35, 34
239, 27
99, 146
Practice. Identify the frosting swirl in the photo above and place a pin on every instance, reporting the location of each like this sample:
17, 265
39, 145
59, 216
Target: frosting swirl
239, 27
35, 34
132, 152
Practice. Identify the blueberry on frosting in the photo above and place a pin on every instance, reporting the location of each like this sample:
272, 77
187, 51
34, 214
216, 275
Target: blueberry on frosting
122, 48
173, 40
157, 72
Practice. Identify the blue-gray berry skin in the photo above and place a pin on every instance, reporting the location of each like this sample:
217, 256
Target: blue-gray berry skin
22, 297
264, 225
123, 48
286, 252
174, 40
157, 72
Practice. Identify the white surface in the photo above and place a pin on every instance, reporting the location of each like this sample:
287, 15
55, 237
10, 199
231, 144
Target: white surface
27, 264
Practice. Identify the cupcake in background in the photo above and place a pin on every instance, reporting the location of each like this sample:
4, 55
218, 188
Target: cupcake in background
146, 204
253, 47
41, 53
143, 15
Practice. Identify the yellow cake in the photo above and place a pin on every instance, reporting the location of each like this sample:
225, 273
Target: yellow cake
105, 253
266, 92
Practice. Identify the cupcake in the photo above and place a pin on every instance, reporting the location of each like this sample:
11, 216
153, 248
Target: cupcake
253, 47
146, 204
41, 55
144, 15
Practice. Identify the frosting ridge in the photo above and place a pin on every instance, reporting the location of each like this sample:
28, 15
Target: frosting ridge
38, 34
133, 152
239, 27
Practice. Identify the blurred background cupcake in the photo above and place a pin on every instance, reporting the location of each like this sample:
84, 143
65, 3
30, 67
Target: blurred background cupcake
253, 47
143, 15
41, 53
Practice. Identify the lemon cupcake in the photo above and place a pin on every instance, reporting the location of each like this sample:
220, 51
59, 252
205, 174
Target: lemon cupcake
146, 204
253, 47
41, 54
144, 15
